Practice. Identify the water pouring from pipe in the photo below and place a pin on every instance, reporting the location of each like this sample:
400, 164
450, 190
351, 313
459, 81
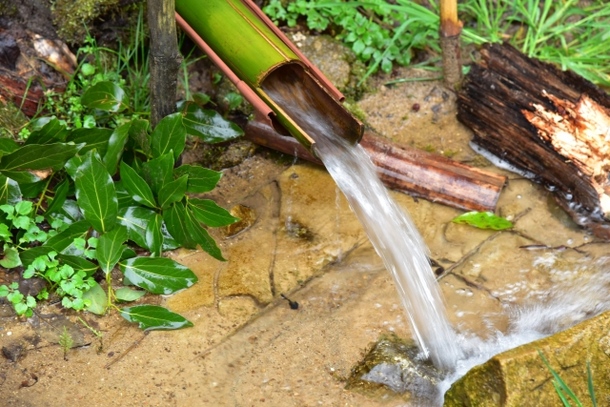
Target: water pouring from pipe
287, 90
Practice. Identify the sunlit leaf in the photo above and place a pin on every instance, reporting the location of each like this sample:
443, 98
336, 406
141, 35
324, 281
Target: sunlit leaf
106, 96
209, 124
39, 157
95, 194
29, 255
136, 186
110, 247
11, 258
152, 317
483, 220
200, 179
169, 135
157, 275
209, 213
172, 191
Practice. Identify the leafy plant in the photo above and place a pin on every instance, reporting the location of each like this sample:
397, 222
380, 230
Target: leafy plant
383, 33
79, 202
483, 220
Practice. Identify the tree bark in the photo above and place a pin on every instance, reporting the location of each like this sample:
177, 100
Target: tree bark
164, 58
552, 126
405, 169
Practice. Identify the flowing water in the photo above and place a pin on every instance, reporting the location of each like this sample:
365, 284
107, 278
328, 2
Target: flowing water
390, 230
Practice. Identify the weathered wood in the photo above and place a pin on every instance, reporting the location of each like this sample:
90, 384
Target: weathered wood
551, 125
405, 169
164, 59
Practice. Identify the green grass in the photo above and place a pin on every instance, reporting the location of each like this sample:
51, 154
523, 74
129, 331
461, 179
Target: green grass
384, 35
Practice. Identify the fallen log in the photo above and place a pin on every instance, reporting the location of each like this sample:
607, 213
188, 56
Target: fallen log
552, 126
405, 169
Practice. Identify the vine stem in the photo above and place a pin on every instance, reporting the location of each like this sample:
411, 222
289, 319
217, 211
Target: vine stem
43, 194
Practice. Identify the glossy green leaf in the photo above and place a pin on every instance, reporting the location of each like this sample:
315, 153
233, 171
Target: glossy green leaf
172, 192
483, 220
136, 219
78, 263
52, 132
98, 299
110, 247
61, 193
169, 135
136, 186
201, 236
116, 145
152, 317
106, 96
95, 138
209, 213
200, 179
209, 124
159, 171
95, 194
154, 235
72, 165
9, 191
157, 275
63, 242
175, 220
127, 294
32, 190
39, 157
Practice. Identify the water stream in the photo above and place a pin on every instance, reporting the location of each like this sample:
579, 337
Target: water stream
390, 230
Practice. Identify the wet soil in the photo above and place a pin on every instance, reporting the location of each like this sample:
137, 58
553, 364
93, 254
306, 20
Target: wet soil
248, 346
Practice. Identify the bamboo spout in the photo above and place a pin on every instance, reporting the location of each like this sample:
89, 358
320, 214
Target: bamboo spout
256, 56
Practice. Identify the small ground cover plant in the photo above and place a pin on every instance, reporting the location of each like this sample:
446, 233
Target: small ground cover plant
384, 34
92, 189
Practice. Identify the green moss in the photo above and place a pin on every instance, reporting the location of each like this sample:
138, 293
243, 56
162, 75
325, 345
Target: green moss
72, 17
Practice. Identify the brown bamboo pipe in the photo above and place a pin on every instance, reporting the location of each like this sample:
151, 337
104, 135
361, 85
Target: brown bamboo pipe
406, 169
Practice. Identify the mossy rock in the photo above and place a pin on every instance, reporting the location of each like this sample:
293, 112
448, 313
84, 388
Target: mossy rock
519, 377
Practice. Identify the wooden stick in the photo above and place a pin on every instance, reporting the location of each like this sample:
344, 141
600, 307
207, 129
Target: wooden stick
405, 169
553, 126
450, 30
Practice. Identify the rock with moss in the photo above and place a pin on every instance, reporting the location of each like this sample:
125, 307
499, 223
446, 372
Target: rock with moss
519, 377
73, 17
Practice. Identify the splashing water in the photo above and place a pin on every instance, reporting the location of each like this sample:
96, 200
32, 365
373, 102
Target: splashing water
391, 232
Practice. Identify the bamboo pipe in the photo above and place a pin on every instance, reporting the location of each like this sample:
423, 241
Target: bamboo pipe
450, 30
405, 169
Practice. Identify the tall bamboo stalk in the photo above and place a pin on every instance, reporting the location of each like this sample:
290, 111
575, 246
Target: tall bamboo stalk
450, 30
164, 59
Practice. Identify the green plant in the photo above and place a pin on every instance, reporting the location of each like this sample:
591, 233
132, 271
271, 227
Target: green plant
564, 391
385, 33
65, 342
77, 203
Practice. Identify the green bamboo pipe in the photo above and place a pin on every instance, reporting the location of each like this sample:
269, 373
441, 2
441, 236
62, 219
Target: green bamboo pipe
255, 55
